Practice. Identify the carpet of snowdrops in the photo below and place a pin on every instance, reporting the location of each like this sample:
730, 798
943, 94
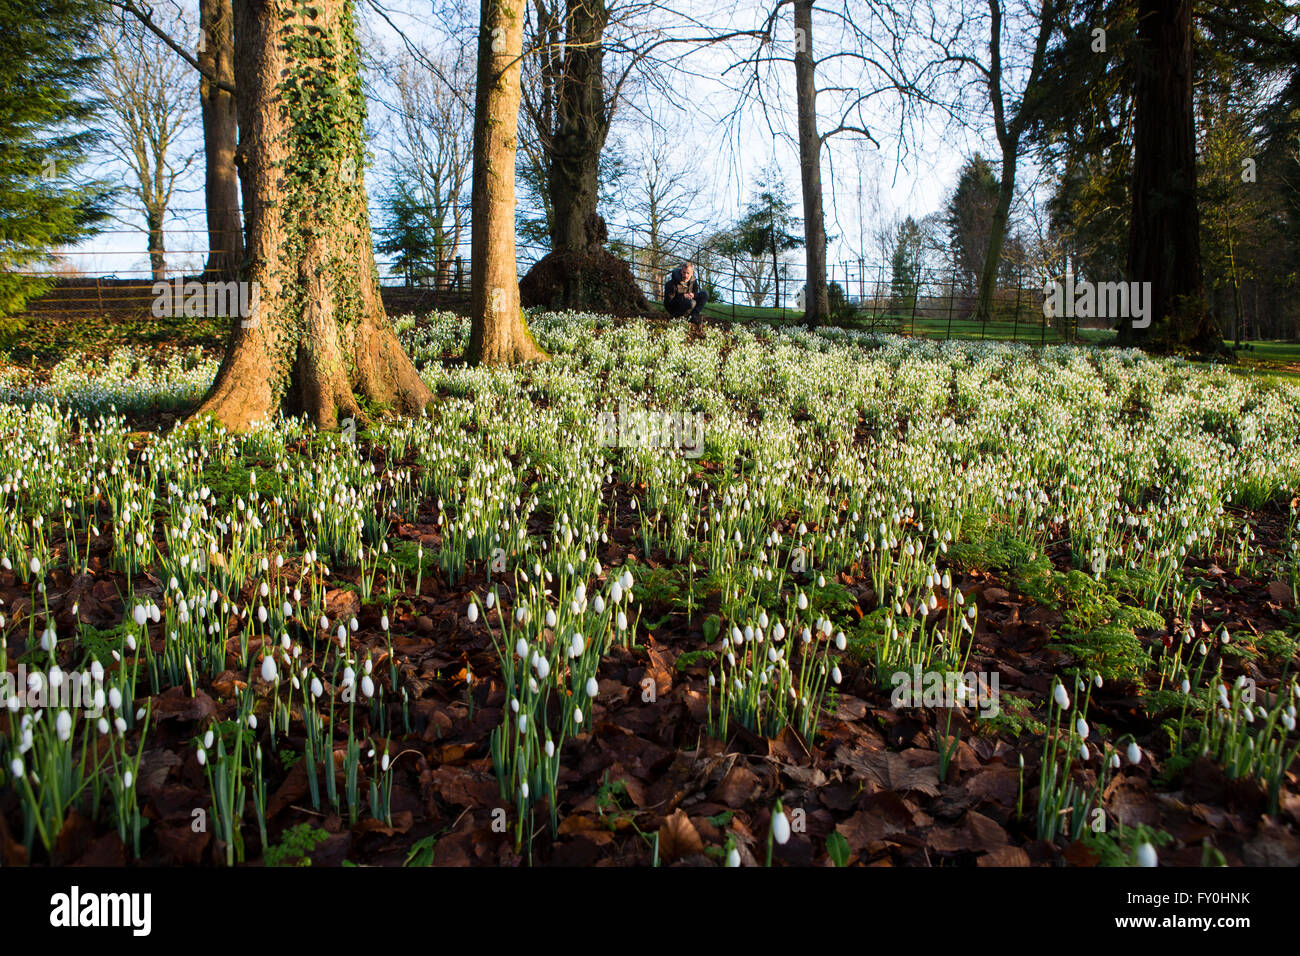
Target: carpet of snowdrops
899, 600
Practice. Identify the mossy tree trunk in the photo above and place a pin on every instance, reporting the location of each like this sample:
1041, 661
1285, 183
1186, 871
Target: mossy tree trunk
319, 338
499, 334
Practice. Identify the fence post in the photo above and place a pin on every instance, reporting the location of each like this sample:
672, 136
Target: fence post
1015, 326
952, 293
460, 274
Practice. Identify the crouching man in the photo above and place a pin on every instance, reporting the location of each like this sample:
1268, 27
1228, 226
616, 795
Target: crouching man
682, 294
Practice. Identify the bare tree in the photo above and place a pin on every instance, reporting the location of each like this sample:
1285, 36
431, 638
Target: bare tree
999, 74
499, 333
664, 212
150, 100
212, 57
434, 151
839, 82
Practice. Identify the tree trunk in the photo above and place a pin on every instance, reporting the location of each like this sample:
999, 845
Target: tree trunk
319, 335
220, 135
1164, 229
984, 311
157, 243
816, 295
582, 127
499, 334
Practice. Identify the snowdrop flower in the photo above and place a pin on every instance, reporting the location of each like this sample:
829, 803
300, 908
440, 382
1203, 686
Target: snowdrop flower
836, 676
316, 687
202, 756
367, 686
1146, 855
1134, 753
207, 740
841, 642
268, 669
35, 566
140, 615
1081, 727
733, 857
63, 725
577, 715
780, 827
1061, 697
577, 645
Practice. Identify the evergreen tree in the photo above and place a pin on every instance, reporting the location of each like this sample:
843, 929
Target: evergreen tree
406, 234
905, 265
970, 218
44, 138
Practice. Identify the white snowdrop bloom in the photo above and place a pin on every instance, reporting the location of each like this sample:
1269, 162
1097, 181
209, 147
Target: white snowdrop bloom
616, 592
202, 756
841, 641
549, 619
523, 789
341, 635
140, 615
103, 726
1185, 686
349, 676
208, 739
514, 704
1083, 752
733, 857
252, 721
56, 677
521, 648
324, 623
114, 698
598, 604
622, 621
316, 687
1081, 727
577, 715
1146, 855
63, 725
383, 620
802, 601
1061, 697
1134, 753
367, 686
268, 669
836, 676
490, 600
549, 748
542, 666
577, 645
626, 580
35, 565
780, 827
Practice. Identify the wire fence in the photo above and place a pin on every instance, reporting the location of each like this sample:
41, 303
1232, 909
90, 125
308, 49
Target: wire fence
933, 302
